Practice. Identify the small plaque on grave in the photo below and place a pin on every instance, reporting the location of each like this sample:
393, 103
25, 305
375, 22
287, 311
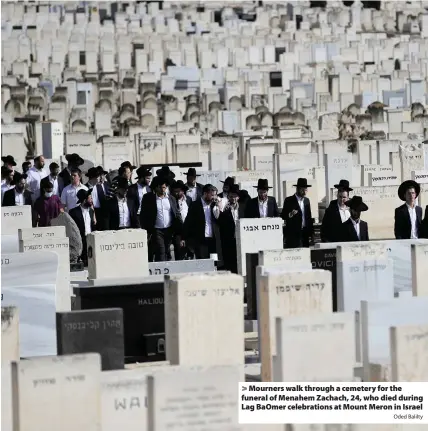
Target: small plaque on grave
93, 331
325, 258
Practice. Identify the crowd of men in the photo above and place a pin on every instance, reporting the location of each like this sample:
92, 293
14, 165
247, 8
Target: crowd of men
187, 216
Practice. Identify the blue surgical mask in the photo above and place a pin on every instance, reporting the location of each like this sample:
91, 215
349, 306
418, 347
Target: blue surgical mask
48, 195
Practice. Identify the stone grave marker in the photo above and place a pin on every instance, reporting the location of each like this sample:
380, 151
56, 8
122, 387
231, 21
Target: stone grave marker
41, 233
364, 272
409, 353
9, 334
72, 233
376, 319
96, 331
320, 336
256, 234
284, 294
57, 392
419, 264
15, 218
181, 266
6, 396
193, 332
108, 250
194, 399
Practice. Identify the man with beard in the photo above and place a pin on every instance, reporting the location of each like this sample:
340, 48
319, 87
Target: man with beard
35, 176
263, 205
9, 162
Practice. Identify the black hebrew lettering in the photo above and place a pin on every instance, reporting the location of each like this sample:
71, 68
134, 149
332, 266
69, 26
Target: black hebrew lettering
251, 228
132, 402
299, 287
5, 261
2, 296
157, 271
150, 272
166, 271
37, 235
17, 214
79, 378
44, 382
50, 234
193, 293
354, 269
135, 245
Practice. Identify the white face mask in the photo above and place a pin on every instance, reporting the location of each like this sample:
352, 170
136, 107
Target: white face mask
48, 195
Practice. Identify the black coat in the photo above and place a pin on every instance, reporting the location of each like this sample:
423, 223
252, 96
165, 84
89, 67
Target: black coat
331, 223
194, 226
347, 232
293, 225
199, 188
77, 215
9, 198
65, 176
252, 208
402, 223
227, 224
149, 212
112, 216
424, 225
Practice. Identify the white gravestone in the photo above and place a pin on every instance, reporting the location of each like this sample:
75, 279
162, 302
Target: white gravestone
194, 400
288, 258
364, 272
6, 397
320, 336
284, 294
337, 167
58, 393
419, 264
409, 353
41, 233
376, 319
9, 334
256, 234
108, 251
14, 218
194, 334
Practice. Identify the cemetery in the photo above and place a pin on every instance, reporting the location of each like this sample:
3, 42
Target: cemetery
268, 98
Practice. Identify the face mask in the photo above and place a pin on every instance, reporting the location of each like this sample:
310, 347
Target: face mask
48, 195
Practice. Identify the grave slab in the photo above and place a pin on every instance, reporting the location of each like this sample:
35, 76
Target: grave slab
419, 259
181, 266
6, 397
325, 258
15, 218
41, 233
9, 334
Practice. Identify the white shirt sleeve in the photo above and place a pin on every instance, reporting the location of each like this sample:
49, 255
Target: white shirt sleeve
216, 211
64, 196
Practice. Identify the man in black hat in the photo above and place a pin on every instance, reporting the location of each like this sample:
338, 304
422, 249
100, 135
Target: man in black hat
129, 169
7, 180
120, 210
194, 189
354, 229
25, 167
263, 205
100, 194
35, 176
141, 187
54, 179
18, 195
229, 181
9, 162
424, 225
93, 178
296, 212
161, 218
408, 217
84, 216
226, 220
178, 191
336, 213
74, 162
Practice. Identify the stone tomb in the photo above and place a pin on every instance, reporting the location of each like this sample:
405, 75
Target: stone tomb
9, 334
256, 234
41, 233
419, 254
60, 247
57, 392
204, 319
364, 272
377, 317
194, 399
15, 218
143, 314
181, 266
284, 294
97, 331
323, 348
112, 252
409, 353
6, 397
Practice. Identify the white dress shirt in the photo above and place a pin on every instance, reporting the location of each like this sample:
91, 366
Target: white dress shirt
34, 176
54, 182
19, 199
124, 220
4, 188
192, 193
344, 212
301, 203
163, 215
208, 225
183, 207
263, 208
142, 190
69, 195
356, 224
86, 219
412, 214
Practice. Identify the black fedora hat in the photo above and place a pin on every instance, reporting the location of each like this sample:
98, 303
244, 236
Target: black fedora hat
344, 185
406, 185
8, 160
74, 159
164, 171
356, 203
17, 177
191, 172
93, 173
229, 181
101, 170
179, 185
302, 182
234, 188
143, 172
82, 195
128, 164
262, 184
159, 180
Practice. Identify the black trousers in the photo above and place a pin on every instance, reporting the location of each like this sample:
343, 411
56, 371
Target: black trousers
161, 243
298, 239
230, 257
204, 248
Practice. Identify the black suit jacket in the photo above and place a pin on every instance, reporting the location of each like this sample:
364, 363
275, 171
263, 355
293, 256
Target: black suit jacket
227, 224
112, 217
194, 226
199, 188
9, 198
293, 225
65, 176
149, 212
331, 223
252, 208
402, 223
424, 225
347, 233
77, 215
